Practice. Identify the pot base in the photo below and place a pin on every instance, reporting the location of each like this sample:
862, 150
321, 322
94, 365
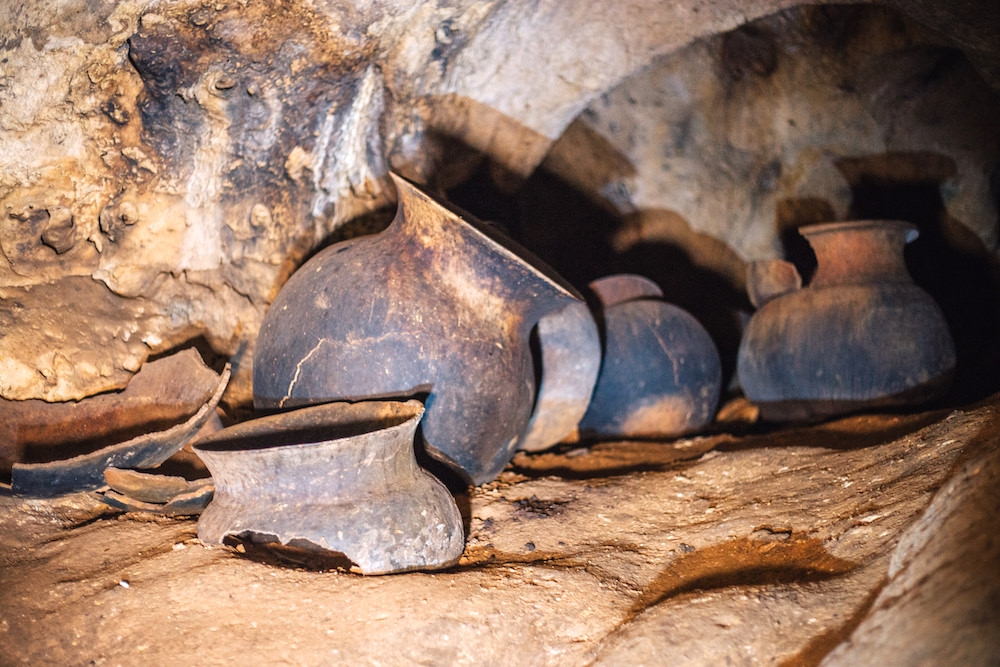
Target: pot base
818, 409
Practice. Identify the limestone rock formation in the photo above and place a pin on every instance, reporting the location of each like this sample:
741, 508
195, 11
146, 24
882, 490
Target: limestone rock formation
170, 163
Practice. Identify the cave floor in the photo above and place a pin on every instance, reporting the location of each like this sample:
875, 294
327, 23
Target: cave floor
869, 538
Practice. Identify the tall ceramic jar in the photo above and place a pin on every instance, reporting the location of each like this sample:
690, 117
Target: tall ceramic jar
438, 306
860, 335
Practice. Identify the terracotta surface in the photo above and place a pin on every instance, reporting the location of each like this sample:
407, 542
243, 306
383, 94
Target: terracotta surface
860, 334
440, 306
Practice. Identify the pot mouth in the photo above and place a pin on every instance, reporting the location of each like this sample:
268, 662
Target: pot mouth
312, 426
908, 230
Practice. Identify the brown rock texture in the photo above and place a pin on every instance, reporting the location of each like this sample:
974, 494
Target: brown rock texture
747, 135
167, 165
769, 547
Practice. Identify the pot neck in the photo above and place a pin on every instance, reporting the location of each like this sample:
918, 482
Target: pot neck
328, 470
858, 252
477, 263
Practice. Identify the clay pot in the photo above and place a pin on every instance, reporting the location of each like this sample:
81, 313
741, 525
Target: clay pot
340, 477
660, 376
438, 304
860, 335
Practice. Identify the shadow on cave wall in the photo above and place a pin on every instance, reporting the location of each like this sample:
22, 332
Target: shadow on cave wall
576, 236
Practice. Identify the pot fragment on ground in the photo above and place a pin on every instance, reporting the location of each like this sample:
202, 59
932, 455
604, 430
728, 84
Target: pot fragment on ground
571, 360
161, 394
86, 472
134, 491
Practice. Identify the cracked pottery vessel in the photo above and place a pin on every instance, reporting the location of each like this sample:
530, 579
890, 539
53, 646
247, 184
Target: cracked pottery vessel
438, 305
660, 376
860, 335
340, 477
570, 348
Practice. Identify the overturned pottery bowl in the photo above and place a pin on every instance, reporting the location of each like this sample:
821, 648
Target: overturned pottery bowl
339, 477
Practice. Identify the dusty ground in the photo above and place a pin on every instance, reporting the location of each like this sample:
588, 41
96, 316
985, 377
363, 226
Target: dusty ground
869, 539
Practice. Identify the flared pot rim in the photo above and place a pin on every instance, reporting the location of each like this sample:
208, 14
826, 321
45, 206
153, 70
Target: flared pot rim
311, 427
499, 241
909, 230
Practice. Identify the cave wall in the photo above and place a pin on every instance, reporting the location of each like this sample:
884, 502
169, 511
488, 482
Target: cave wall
713, 156
776, 124
166, 165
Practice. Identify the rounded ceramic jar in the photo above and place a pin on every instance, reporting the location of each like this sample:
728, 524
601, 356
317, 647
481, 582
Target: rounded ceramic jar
860, 335
660, 375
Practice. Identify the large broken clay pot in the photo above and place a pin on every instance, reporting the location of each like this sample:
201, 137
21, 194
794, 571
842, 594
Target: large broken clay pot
341, 477
861, 334
438, 304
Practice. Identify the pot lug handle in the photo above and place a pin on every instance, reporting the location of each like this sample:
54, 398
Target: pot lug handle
770, 278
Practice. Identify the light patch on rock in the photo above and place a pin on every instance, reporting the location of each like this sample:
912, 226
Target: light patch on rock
349, 154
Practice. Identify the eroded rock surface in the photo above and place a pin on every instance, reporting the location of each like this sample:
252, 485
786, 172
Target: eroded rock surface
745, 135
770, 547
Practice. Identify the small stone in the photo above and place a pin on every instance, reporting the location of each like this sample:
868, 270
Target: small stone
200, 17
60, 233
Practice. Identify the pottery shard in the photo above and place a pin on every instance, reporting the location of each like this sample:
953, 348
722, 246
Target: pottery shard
769, 279
86, 471
164, 392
